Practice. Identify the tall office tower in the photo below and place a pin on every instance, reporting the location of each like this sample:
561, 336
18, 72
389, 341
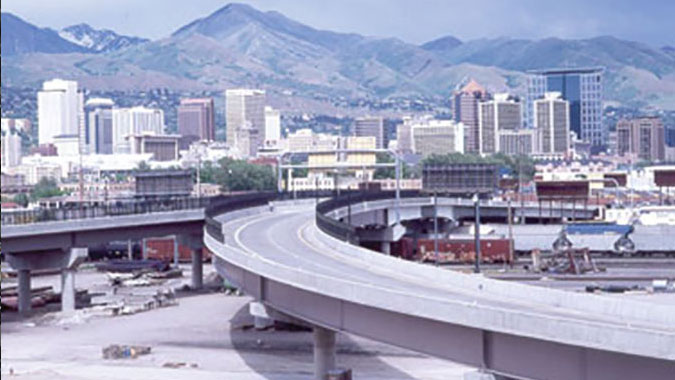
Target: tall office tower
552, 124
99, 125
642, 137
503, 113
196, 120
134, 121
272, 127
59, 110
583, 89
403, 137
465, 111
437, 137
11, 148
370, 126
245, 118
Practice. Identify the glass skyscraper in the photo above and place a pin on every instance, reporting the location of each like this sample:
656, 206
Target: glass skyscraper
583, 89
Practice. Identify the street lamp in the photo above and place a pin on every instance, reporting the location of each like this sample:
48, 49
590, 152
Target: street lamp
476, 204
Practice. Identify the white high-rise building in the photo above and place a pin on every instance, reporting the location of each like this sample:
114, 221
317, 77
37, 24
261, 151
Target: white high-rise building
11, 148
272, 127
551, 117
502, 113
134, 121
245, 119
437, 137
59, 110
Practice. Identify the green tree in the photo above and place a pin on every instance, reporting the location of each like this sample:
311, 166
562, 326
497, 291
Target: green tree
239, 175
383, 173
207, 173
21, 199
45, 188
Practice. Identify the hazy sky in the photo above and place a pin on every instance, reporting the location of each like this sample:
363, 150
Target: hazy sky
414, 21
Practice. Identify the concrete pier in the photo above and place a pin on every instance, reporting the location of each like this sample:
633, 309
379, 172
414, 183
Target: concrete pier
197, 268
385, 247
324, 352
68, 290
24, 290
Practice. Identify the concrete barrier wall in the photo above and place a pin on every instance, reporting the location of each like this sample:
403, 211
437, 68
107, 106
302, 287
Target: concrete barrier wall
101, 223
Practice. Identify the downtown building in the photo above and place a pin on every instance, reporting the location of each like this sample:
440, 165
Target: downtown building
502, 113
196, 120
583, 89
99, 126
60, 111
11, 148
517, 142
465, 110
134, 121
552, 125
437, 137
370, 126
245, 119
272, 127
643, 138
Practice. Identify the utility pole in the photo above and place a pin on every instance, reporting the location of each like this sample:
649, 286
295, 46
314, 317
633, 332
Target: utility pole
436, 228
510, 217
476, 203
199, 175
398, 188
280, 174
81, 178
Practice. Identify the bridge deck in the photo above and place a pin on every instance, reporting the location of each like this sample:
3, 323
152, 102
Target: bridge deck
289, 238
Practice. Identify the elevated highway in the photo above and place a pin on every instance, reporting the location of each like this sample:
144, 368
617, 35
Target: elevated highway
297, 259
304, 266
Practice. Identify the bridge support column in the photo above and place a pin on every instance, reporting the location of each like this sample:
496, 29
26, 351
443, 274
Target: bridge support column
385, 247
68, 290
24, 291
197, 268
75, 256
324, 352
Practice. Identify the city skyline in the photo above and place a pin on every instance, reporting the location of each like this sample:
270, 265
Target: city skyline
643, 22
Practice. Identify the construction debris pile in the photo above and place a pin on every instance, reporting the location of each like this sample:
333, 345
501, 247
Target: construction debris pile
136, 286
117, 351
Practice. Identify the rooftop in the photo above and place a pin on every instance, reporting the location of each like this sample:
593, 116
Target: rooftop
568, 70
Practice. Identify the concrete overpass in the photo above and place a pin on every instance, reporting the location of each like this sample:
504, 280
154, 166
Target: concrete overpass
60, 239
299, 264
306, 268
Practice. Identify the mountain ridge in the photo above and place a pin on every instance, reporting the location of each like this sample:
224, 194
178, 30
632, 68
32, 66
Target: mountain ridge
98, 40
21, 37
238, 45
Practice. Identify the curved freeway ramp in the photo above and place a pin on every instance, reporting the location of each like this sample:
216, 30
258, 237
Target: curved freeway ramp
278, 254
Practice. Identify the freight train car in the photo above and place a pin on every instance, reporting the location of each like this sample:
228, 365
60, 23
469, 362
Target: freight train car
454, 250
162, 249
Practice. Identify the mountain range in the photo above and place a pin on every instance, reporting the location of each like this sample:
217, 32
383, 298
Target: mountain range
240, 46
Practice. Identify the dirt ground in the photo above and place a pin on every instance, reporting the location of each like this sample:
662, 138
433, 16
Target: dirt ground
203, 335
